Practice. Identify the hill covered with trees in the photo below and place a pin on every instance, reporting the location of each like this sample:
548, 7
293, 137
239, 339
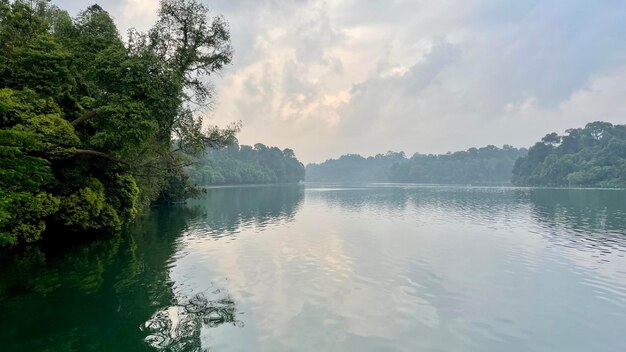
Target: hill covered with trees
87, 120
247, 165
355, 168
485, 165
593, 156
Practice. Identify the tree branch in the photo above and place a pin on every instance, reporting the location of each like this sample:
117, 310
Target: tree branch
86, 117
101, 154
147, 165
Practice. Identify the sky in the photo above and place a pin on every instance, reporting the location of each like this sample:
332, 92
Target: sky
327, 78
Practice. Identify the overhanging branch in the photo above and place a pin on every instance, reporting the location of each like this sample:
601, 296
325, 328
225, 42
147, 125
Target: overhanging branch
86, 117
101, 154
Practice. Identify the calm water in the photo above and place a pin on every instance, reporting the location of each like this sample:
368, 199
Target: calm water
376, 268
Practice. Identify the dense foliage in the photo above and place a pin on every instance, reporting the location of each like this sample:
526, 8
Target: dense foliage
486, 165
594, 156
355, 168
247, 165
87, 121
489, 164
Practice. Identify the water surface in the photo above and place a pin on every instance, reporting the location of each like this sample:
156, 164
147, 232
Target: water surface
327, 268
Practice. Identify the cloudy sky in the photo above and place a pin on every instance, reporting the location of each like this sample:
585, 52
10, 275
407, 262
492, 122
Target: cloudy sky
327, 78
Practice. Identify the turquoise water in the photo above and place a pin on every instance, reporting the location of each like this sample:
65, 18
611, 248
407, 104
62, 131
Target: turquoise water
336, 268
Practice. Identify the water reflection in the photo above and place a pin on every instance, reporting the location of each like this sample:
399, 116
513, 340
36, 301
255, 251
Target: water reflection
581, 210
351, 268
578, 212
117, 294
177, 327
95, 296
227, 209
476, 203
585, 220
391, 200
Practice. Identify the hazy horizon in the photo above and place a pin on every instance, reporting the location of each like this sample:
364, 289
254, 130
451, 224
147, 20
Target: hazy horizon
327, 78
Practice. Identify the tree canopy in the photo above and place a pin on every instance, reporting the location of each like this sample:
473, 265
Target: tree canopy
593, 156
88, 120
488, 164
355, 168
247, 165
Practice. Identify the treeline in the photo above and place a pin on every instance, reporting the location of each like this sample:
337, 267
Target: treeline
485, 165
88, 120
247, 165
355, 168
593, 156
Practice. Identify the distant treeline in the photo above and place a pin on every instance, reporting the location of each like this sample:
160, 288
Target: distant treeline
247, 165
489, 164
355, 168
594, 156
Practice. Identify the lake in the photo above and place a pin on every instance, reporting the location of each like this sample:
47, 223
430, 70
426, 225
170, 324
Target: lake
335, 268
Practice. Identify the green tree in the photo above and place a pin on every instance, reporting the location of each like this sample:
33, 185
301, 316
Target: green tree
593, 156
488, 164
247, 165
95, 129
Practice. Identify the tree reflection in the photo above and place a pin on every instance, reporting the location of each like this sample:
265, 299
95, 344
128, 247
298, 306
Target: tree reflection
455, 202
228, 208
95, 296
356, 198
581, 209
178, 327
595, 218
117, 294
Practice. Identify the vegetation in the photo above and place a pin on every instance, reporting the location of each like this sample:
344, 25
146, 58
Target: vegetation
355, 168
88, 121
485, 165
594, 156
247, 165
489, 164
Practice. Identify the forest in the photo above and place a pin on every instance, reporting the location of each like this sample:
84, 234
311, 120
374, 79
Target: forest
486, 165
246, 165
88, 120
593, 156
355, 168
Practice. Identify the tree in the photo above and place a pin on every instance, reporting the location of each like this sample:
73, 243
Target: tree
488, 164
244, 164
93, 129
593, 156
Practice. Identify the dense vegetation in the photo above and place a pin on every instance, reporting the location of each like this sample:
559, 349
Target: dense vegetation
485, 165
594, 156
489, 164
354, 168
88, 120
247, 165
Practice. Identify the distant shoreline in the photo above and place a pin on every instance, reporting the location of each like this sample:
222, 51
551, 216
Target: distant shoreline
236, 185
